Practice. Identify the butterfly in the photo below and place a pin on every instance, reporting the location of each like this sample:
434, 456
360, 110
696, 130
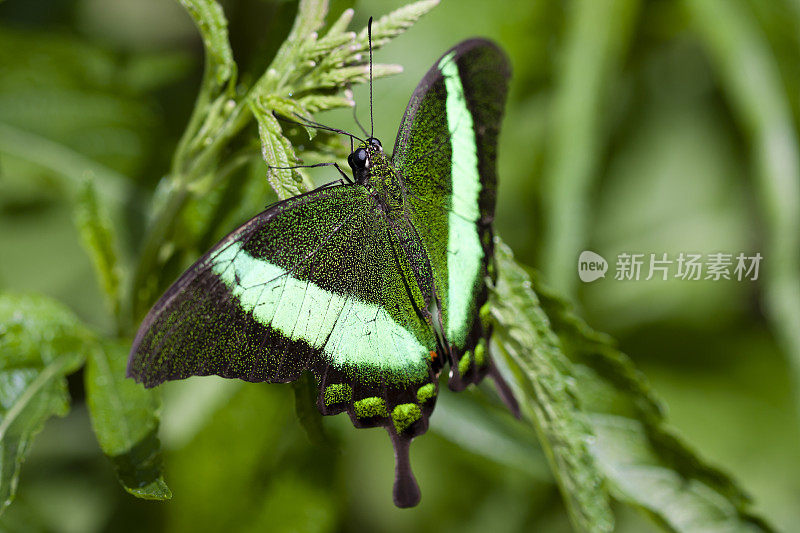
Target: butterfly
374, 285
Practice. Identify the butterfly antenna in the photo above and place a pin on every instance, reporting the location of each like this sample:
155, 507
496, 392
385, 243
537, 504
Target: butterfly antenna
311, 124
369, 36
314, 124
358, 122
317, 165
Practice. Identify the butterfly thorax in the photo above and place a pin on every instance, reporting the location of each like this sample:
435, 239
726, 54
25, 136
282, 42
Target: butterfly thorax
373, 169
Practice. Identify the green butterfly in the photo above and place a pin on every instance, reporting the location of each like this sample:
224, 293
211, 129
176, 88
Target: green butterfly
372, 285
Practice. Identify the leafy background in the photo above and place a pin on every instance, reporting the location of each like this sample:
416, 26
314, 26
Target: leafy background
645, 126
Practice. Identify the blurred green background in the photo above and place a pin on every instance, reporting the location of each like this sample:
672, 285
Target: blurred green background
651, 118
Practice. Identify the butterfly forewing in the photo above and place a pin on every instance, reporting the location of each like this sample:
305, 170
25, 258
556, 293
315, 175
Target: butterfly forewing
445, 153
315, 283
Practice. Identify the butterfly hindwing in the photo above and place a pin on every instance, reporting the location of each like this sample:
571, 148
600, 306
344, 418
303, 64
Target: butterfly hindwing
316, 283
445, 152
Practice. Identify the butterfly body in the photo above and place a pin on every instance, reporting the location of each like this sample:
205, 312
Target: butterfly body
373, 169
372, 286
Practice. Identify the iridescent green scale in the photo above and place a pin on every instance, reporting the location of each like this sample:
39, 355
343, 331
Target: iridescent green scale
372, 286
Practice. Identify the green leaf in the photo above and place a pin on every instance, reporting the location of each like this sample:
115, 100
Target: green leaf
310, 17
347, 63
291, 109
279, 155
332, 40
349, 76
530, 349
41, 342
320, 102
100, 242
213, 26
646, 465
393, 24
290, 61
306, 63
341, 24
125, 418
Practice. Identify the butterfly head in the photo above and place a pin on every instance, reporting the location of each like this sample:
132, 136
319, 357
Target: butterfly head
366, 157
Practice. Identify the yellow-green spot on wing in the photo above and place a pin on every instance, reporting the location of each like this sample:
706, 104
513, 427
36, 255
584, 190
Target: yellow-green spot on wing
370, 407
426, 392
404, 415
338, 393
485, 314
464, 362
480, 353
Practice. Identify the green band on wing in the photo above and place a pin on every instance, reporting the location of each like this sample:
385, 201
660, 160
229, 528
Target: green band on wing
404, 415
353, 335
338, 393
464, 250
369, 407
426, 392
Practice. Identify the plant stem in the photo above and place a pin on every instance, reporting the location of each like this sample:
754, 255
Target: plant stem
198, 113
161, 226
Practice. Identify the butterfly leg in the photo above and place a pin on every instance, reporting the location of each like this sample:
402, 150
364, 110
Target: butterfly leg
347, 178
504, 390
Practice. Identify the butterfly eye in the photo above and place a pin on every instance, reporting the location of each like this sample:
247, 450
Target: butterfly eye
358, 159
375, 143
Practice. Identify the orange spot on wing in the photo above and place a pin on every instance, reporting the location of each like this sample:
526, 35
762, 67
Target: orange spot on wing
433, 355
